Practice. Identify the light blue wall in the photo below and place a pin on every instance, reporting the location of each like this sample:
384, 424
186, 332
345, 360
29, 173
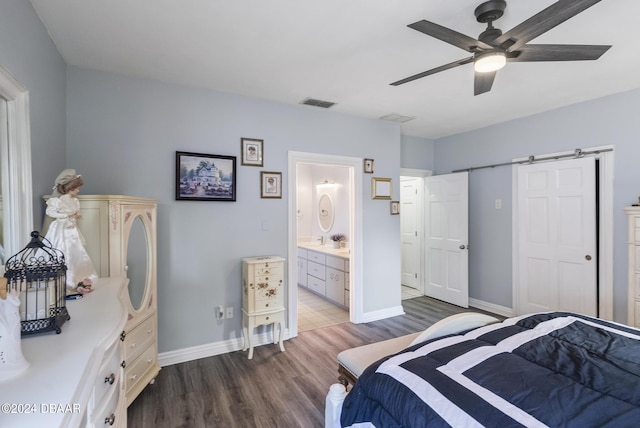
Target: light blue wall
417, 153
607, 121
28, 53
122, 136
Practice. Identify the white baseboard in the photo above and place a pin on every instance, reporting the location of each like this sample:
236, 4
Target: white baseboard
223, 347
382, 314
491, 307
215, 348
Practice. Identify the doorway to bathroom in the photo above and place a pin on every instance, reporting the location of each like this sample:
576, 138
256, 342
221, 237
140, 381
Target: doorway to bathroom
324, 273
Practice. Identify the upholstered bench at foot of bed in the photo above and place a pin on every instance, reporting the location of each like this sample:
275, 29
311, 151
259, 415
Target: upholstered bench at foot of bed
352, 362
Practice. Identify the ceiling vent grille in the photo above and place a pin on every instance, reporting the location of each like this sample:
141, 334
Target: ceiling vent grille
394, 117
317, 103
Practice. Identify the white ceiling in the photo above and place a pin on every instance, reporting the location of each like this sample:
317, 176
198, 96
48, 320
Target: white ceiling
345, 51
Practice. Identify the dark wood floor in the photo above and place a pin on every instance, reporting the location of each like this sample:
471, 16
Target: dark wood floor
274, 389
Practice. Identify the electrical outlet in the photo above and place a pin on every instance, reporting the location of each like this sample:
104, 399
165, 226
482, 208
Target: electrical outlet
230, 312
220, 312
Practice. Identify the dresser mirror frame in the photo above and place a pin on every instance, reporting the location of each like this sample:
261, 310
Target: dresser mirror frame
15, 164
146, 226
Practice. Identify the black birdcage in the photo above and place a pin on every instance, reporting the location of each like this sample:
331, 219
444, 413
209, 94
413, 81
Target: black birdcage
38, 273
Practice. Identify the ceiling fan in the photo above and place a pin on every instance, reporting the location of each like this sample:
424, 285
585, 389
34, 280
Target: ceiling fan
493, 49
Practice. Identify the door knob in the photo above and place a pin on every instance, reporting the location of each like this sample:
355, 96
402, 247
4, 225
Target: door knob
588, 257
462, 247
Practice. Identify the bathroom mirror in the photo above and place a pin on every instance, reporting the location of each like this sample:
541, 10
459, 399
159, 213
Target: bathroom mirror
137, 262
325, 212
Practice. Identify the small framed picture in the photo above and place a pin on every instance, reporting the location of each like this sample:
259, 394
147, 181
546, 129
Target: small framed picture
395, 207
380, 188
270, 184
251, 151
205, 177
368, 166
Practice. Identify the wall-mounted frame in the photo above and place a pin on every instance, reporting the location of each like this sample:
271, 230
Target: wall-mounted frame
251, 150
270, 184
380, 188
394, 207
204, 177
368, 166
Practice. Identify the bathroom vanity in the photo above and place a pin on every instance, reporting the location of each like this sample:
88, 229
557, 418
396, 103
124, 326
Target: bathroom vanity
324, 271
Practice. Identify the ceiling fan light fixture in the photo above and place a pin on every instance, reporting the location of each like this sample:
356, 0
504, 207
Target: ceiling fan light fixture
489, 61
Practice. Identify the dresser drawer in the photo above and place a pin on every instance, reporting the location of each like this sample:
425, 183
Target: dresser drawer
135, 370
316, 269
316, 257
273, 303
109, 376
106, 411
317, 285
138, 339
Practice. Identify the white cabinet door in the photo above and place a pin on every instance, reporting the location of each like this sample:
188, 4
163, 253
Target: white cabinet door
335, 285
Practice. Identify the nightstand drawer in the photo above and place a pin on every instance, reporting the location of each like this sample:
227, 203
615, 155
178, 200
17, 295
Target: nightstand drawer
268, 318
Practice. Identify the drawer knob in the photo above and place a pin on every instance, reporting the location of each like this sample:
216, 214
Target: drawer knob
134, 377
267, 318
110, 420
110, 379
133, 345
123, 335
123, 364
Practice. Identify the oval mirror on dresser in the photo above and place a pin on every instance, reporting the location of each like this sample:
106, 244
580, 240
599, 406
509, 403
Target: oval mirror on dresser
137, 263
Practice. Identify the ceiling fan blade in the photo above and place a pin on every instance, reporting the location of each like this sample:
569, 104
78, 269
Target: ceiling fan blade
530, 53
448, 35
542, 22
482, 82
433, 71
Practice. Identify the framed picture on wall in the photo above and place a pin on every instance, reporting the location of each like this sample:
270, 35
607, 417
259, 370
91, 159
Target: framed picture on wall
270, 184
251, 149
380, 188
395, 207
203, 177
368, 166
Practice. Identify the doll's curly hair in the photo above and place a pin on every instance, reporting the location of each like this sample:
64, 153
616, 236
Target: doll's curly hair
66, 187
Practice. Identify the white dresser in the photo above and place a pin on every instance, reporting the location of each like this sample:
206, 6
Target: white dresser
262, 297
75, 378
633, 311
120, 234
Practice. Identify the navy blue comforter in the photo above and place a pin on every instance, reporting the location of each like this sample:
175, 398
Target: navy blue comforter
554, 369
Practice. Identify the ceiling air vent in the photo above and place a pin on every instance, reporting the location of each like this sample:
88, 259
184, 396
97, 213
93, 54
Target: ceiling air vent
394, 117
317, 103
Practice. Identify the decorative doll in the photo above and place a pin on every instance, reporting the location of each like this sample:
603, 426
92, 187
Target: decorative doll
64, 234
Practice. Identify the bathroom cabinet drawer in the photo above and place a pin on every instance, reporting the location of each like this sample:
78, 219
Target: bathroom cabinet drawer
316, 257
316, 269
316, 285
335, 262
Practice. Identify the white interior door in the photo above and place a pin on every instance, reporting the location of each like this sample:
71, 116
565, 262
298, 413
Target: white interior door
410, 189
447, 236
557, 237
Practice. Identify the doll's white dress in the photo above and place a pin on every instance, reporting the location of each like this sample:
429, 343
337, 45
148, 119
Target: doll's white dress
65, 236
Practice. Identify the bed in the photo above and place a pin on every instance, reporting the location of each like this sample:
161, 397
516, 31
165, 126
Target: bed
547, 369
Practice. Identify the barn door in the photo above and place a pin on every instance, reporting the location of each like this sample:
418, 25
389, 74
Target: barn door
557, 237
